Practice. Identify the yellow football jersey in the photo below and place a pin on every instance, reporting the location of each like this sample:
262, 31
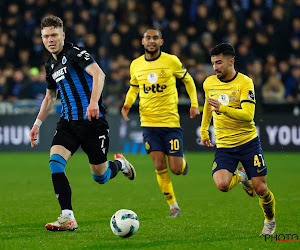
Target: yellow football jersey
155, 82
233, 124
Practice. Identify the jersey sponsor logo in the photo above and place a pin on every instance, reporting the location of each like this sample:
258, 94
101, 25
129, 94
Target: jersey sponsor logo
59, 74
251, 95
152, 77
64, 60
85, 54
223, 99
154, 88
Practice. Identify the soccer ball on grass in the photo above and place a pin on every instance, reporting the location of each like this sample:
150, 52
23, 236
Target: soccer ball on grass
124, 223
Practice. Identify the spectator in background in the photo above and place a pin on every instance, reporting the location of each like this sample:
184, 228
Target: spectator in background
38, 84
292, 85
90, 42
2, 83
103, 60
171, 32
201, 18
159, 19
258, 24
295, 46
273, 90
280, 22
244, 57
261, 46
295, 9
284, 70
255, 72
296, 26
17, 88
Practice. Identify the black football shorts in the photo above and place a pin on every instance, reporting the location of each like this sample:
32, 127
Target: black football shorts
92, 136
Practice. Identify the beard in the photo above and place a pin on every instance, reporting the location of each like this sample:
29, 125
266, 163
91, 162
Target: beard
151, 52
221, 77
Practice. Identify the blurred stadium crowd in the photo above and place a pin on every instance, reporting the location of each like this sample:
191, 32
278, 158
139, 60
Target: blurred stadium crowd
265, 33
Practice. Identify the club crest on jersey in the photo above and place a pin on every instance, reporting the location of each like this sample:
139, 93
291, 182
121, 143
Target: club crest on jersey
233, 96
64, 60
163, 73
223, 99
251, 95
152, 77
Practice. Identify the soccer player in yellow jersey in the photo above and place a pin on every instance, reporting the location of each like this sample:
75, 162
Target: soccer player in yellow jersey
153, 77
230, 100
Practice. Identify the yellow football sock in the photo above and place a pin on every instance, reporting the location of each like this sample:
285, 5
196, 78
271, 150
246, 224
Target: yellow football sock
165, 185
183, 164
236, 178
267, 203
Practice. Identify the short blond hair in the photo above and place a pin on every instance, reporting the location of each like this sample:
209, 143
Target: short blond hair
50, 21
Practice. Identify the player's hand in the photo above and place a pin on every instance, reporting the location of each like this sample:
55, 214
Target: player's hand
207, 143
92, 110
33, 135
125, 110
194, 111
214, 103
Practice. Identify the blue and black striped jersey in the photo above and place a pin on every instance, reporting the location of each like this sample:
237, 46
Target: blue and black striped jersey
75, 85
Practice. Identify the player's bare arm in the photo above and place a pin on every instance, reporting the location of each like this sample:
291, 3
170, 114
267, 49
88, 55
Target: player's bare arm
194, 112
98, 83
46, 107
125, 110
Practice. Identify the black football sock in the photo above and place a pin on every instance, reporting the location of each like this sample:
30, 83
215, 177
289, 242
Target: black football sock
62, 190
115, 167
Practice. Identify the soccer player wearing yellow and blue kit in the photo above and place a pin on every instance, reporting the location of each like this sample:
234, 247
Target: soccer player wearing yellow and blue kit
153, 77
230, 100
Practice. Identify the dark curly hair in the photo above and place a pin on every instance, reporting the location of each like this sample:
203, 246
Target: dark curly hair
223, 48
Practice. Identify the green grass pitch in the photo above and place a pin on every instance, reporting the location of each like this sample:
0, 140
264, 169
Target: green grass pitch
210, 219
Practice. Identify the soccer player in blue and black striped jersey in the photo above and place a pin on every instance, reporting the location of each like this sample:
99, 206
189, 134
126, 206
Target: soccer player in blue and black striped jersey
73, 72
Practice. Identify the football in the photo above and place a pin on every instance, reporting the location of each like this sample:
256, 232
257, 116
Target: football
124, 223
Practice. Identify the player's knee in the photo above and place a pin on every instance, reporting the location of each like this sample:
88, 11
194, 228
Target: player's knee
261, 190
159, 165
57, 164
102, 179
223, 186
176, 171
